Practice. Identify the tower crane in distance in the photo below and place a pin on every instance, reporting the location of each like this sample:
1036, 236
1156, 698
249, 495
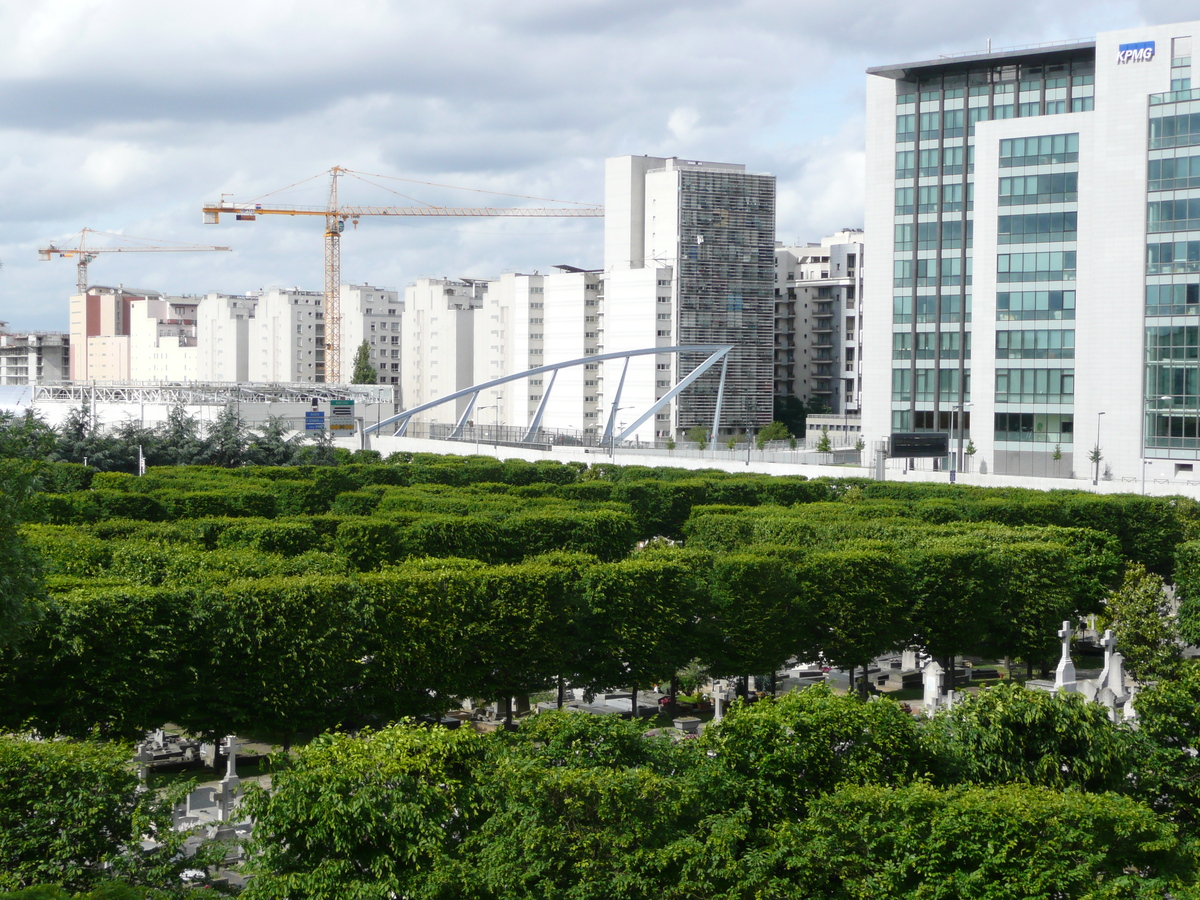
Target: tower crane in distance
84, 255
336, 215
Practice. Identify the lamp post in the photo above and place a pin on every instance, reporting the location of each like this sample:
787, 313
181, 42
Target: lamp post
481, 409
1096, 479
496, 444
1145, 462
612, 438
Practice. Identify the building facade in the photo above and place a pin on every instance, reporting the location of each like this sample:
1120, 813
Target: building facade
437, 336
287, 336
818, 323
689, 259
162, 339
34, 357
372, 314
1032, 217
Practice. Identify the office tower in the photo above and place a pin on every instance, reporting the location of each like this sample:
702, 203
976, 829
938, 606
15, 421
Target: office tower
1032, 215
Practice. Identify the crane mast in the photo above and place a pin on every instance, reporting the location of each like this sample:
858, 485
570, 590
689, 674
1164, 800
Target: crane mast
336, 215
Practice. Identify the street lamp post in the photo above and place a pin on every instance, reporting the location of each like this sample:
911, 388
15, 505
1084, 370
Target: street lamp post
612, 437
1096, 479
960, 411
477, 429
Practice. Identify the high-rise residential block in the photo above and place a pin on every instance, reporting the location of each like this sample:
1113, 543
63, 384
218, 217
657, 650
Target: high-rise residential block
689, 259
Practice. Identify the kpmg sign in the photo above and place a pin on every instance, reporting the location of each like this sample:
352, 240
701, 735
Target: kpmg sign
1132, 53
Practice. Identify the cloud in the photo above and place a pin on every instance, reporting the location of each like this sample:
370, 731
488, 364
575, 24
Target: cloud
127, 115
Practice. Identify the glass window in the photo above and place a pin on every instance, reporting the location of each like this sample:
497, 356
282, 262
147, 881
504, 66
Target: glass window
1018, 190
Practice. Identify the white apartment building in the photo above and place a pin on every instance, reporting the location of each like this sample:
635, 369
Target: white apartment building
689, 259
223, 336
574, 328
372, 314
437, 352
162, 339
287, 336
527, 321
34, 357
1037, 215
818, 321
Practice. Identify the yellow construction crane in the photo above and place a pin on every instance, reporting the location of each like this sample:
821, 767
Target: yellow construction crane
336, 216
84, 254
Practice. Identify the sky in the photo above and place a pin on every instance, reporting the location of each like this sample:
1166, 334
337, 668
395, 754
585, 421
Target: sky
127, 116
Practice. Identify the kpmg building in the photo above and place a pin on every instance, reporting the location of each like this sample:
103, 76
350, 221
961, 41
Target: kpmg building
1035, 219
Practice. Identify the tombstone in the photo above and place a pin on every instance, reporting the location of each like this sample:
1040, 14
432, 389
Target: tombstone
1106, 698
908, 660
1116, 678
934, 675
1064, 674
143, 759
230, 790
1128, 709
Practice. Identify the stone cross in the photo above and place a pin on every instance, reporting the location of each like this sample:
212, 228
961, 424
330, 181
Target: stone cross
1108, 643
231, 758
1064, 675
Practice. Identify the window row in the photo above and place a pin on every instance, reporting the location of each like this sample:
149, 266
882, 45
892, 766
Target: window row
1016, 306
1172, 299
1171, 257
926, 384
1050, 428
931, 162
930, 125
1176, 174
927, 344
1042, 150
1178, 431
1175, 131
932, 197
1168, 343
1057, 187
927, 309
1052, 226
1173, 215
1052, 265
1043, 343
948, 270
950, 236
1172, 381
1035, 385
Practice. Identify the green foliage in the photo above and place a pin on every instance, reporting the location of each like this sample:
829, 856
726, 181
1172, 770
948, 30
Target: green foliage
376, 816
1187, 590
1139, 614
1010, 734
363, 371
20, 571
65, 809
698, 435
780, 754
776, 431
824, 445
1015, 841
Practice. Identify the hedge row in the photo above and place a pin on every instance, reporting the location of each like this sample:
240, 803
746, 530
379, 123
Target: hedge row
240, 646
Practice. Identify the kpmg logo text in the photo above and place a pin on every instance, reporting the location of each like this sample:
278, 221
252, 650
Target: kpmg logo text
1131, 53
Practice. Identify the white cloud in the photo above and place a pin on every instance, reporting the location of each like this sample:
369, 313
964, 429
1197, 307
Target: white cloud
127, 115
